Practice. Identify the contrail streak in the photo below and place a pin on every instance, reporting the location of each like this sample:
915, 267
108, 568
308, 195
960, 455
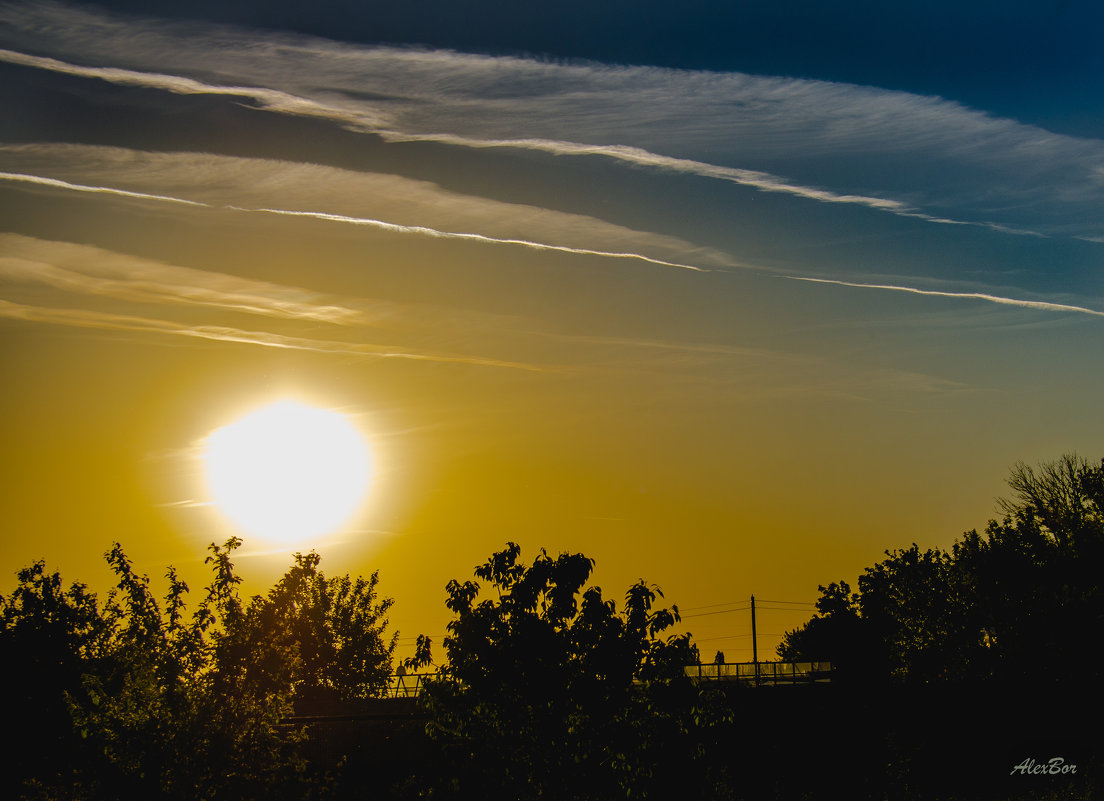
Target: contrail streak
763, 181
341, 218
1027, 304
434, 232
105, 190
83, 318
645, 158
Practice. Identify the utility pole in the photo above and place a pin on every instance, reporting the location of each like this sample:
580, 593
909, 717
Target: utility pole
754, 643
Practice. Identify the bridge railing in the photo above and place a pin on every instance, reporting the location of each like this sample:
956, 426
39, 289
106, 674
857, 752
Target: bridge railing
763, 673
408, 685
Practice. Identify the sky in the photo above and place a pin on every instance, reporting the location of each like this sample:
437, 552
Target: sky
732, 297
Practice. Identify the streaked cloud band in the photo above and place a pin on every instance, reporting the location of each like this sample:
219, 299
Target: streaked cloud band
94, 271
742, 129
285, 103
86, 318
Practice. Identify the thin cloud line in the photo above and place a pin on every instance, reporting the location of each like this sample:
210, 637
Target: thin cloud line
83, 318
1027, 304
646, 158
341, 218
105, 190
763, 181
283, 102
434, 232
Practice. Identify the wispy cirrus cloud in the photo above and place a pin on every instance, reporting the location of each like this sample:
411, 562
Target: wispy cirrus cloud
285, 103
270, 99
909, 155
89, 318
82, 286
87, 270
917, 156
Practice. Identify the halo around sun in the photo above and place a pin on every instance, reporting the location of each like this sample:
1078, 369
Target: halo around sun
288, 472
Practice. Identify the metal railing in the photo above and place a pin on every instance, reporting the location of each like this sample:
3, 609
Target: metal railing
406, 686
764, 673
754, 673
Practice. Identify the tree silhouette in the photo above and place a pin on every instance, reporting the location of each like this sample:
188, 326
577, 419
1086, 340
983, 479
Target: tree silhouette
314, 636
48, 634
991, 607
836, 633
549, 692
146, 701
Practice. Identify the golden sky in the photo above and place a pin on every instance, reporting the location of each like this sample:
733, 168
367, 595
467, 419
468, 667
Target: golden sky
732, 333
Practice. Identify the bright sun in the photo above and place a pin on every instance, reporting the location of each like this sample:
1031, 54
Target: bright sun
288, 472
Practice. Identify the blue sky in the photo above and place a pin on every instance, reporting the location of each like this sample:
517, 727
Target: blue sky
730, 296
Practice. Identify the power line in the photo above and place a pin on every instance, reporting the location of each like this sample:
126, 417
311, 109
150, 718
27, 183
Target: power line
732, 637
710, 606
718, 612
800, 603
807, 604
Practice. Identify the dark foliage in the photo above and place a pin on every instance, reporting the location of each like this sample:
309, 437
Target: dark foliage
997, 607
550, 692
135, 699
331, 628
952, 666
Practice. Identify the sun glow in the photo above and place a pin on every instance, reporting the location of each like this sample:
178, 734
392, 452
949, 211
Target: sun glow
288, 472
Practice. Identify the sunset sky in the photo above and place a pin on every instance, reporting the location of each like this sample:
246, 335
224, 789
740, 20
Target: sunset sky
728, 296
